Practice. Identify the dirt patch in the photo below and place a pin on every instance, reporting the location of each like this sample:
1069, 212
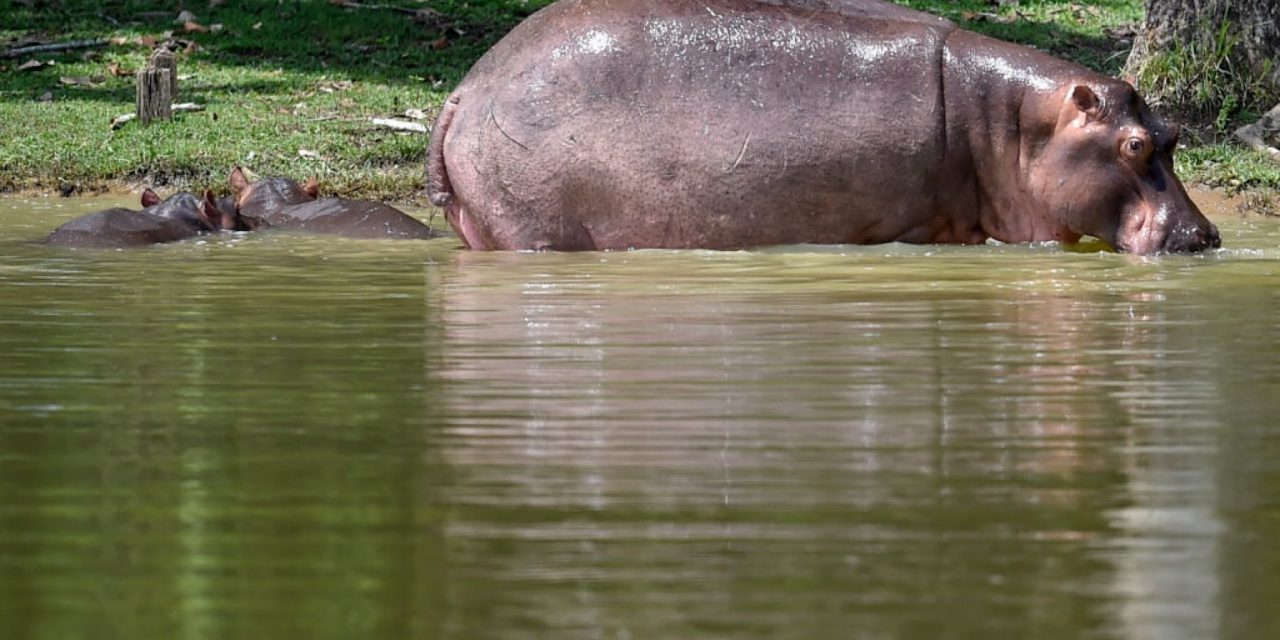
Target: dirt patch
1218, 202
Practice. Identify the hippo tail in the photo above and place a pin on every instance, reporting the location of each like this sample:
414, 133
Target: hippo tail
439, 188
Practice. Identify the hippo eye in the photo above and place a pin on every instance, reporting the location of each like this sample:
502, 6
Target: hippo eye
1135, 147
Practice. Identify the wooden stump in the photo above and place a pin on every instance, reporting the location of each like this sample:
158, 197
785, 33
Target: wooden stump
163, 58
157, 87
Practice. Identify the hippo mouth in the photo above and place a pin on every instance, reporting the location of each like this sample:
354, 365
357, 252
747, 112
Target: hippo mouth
1160, 231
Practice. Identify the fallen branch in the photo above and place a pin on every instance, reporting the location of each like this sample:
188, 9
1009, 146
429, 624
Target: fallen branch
422, 15
57, 46
351, 4
126, 118
401, 125
1255, 134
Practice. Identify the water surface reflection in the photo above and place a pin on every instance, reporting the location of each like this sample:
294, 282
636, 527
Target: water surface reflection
286, 436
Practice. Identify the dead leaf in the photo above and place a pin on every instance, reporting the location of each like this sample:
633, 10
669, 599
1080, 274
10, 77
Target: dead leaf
440, 43
116, 70
213, 4
148, 41
118, 41
307, 153
215, 27
257, 25
334, 86
78, 81
46, 97
191, 48
192, 26
415, 114
32, 65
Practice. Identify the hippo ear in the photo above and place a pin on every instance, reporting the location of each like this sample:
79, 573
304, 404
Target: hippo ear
149, 198
215, 215
1086, 104
312, 187
238, 181
209, 209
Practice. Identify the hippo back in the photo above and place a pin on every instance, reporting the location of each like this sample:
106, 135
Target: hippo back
873, 9
350, 219
119, 228
724, 122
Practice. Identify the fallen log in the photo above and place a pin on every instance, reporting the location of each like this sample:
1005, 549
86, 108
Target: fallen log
56, 46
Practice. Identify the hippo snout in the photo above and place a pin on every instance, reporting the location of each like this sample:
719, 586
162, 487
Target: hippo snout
1193, 238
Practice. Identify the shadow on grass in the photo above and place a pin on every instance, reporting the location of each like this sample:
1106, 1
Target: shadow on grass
1070, 29
390, 47
311, 37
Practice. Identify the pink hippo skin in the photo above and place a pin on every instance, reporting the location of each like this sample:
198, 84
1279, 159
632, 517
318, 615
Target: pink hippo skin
723, 124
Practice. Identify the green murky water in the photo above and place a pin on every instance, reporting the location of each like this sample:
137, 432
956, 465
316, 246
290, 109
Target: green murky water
298, 437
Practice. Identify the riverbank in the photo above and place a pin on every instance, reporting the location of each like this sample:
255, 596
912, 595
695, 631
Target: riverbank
292, 89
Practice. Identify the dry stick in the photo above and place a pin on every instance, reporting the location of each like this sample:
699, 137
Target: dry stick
126, 118
349, 4
400, 125
60, 46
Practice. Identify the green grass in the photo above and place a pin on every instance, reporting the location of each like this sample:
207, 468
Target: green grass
284, 76
280, 78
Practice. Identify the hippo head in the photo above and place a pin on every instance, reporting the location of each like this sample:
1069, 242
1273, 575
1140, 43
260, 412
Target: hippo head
206, 215
221, 215
181, 206
1106, 170
257, 199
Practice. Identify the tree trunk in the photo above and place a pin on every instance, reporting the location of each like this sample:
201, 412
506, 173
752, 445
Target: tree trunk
1204, 58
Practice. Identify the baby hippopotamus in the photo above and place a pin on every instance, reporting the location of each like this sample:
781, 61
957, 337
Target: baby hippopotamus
178, 217
724, 124
284, 204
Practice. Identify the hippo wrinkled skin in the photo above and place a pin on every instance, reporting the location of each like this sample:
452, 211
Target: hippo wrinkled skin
724, 124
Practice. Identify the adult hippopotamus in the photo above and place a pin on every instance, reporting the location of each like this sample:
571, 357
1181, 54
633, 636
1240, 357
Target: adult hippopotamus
284, 204
613, 124
178, 217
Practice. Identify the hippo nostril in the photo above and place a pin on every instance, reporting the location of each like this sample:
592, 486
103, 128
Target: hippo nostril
1214, 240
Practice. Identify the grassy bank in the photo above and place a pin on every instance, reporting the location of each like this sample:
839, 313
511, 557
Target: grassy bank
290, 86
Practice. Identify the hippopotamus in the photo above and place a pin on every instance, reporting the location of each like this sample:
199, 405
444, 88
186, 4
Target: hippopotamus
727, 124
283, 203
178, 217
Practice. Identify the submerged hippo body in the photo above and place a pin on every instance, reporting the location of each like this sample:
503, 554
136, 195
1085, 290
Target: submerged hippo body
283, 203
613, 124
349, 219
178, 217
120, 228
